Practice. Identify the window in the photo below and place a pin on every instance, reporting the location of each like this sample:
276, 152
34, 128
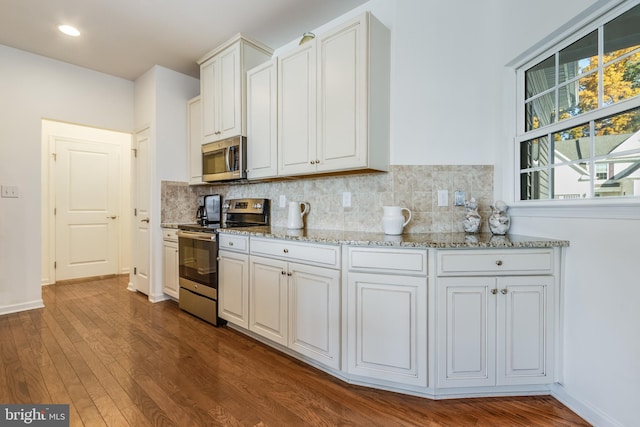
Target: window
579, 120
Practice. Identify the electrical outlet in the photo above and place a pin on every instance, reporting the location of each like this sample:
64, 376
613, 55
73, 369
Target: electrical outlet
9, 191
283, 201
458, 198
346, 199
443, 198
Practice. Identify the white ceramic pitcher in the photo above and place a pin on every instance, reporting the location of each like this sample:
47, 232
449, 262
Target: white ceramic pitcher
297, 210
393, 220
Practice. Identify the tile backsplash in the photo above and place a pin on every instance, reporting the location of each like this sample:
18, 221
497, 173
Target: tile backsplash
413, 187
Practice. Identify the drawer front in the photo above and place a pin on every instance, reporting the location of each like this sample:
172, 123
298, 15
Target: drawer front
310, 253
495, 262
233, 242
401, 261
170, 234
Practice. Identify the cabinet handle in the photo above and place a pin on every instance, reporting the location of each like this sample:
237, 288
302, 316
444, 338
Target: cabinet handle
312, 162
286, 251
499, 262
504, 291
230, 243
317, 162
494, 291
218, 258
283, 272
289, 274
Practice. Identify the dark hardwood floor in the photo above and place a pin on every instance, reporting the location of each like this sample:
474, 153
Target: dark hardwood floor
119, 360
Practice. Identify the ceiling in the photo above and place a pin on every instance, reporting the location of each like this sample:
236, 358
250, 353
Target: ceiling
125, 38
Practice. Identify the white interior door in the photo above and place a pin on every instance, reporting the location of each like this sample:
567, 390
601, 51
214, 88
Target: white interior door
87, 183
141, 219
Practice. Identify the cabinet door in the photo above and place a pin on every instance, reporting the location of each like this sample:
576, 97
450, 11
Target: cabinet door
466, 319
268, 303
233, 288
314, 313
170, 268
209, 92
230, 85
297, 111
525, 323
342, 89
262, 122
387, 327
194, 140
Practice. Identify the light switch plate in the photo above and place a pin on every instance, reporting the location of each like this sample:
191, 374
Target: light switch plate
443, 198
346, 199
9, 191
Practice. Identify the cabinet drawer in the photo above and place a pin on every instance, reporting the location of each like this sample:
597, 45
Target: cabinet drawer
170, 234
495, 262
310, 253
401, 261
233, 242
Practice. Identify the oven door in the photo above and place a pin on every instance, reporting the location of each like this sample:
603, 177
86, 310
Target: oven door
197, 257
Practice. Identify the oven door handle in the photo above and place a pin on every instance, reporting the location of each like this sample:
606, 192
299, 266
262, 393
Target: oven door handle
196, 235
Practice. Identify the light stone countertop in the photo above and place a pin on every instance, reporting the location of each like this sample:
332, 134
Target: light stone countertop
413, 240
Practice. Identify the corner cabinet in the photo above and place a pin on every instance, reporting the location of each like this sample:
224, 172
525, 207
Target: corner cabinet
170, 262
333, 101
223, 86
387, 314
495, 317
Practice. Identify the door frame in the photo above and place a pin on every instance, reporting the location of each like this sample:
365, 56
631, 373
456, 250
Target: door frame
50, 129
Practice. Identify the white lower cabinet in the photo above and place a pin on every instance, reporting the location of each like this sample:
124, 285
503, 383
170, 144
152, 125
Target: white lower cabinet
495, 330
387, 315
233, 287
295, 304
233, 279
170, 261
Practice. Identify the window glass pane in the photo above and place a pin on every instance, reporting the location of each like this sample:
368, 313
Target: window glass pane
578, 58
578, 96
571, 144
621, 35
540, 111
534, 153
534, 185
621, 79
570, 181
540, 78
618, 176
618, 133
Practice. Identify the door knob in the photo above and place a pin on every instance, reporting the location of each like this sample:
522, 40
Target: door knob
112, 217
145, 220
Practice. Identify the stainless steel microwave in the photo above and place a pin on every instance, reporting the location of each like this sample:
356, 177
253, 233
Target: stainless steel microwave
224, 160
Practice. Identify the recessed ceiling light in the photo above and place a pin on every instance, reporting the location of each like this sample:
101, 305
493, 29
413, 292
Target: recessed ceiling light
69, 30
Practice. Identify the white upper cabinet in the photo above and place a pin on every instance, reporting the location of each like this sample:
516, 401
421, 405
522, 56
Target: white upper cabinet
262, 130
223, 86
333, 101
194, 139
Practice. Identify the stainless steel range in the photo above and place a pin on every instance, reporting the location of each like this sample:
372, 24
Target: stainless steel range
198, 252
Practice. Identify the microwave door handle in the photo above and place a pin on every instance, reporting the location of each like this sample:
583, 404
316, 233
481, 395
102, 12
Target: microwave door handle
227, 154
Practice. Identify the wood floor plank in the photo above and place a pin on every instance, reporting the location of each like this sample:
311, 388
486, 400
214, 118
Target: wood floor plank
119, 360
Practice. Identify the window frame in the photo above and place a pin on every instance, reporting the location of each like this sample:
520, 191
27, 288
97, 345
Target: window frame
579, 30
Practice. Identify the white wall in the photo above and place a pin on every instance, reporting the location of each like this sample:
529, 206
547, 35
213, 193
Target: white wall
161, 97
34, 87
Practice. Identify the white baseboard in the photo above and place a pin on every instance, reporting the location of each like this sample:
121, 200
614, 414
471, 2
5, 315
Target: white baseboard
589, 412
15, 308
